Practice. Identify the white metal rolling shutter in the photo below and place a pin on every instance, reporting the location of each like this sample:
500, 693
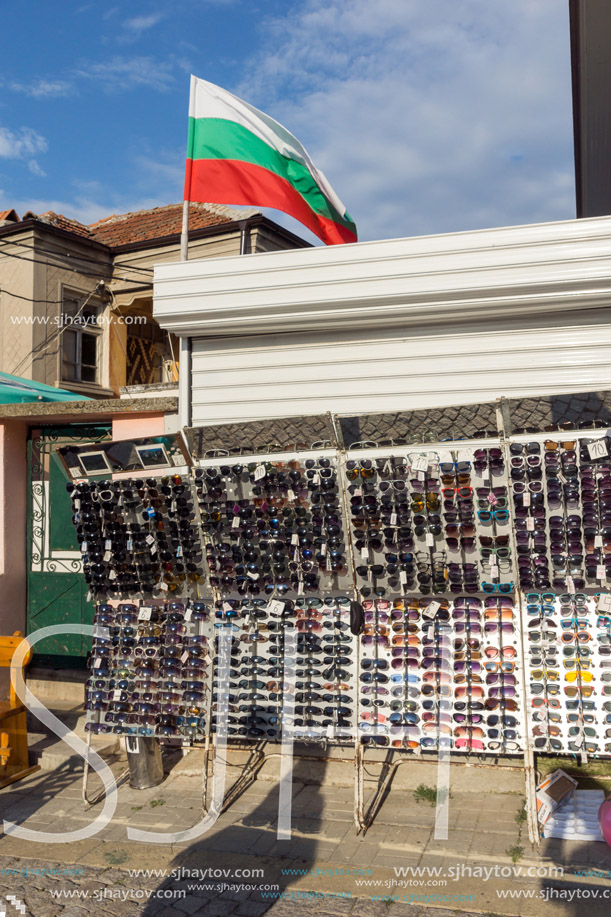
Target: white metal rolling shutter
356, 372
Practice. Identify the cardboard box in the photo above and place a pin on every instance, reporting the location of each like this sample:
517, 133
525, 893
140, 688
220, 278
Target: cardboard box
553, 792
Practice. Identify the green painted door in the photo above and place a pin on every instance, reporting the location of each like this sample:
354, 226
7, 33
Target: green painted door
57, 592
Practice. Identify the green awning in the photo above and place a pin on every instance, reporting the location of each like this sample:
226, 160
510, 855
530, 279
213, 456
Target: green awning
15, 390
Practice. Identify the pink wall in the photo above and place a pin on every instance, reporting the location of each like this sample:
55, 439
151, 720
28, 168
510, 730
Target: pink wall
13, 509
130, 426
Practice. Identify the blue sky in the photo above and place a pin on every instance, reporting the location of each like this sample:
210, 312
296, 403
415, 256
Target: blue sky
425, 116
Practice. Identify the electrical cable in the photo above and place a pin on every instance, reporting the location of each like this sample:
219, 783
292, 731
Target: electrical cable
35, 248
48, 302
74, 270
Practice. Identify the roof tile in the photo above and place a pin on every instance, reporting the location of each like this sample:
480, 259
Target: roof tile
160, 222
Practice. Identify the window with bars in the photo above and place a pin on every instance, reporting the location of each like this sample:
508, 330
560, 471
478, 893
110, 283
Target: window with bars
81, 338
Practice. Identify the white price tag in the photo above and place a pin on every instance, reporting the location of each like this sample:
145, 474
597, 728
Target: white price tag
130, 545
188, 614
420, 463
107, 556
153, 550
570, 585
116, 694
365, 553
184, 656
530, 524
83, 547
430, 540
260, 472
76, 503
601, 572
485, 474
561, 478
421, 475
150, 539
393, 518
598, 541
316, 478
598, 449
323, 549
112, 575
252, 575
97, 663
358, 492
145, 612
290, 495
494, 571
526, 498
430, 632
108, 545
227, 606
604, 603
403, 578
173, 506
163, 586
235, 522
275, 607
295, 539
431, 610
179, 551
296, 555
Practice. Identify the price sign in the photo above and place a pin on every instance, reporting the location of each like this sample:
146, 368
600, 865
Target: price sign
492, 500
403, 577
323, 548
494, 571
184, 656
430, 540
116, 694
526, 498
83, 547
163, 586
275, 607
145, 613
260, 472
227, 606
365, 553
316, 478
561, 478
150, 539
295, 539
108, 545
235, 522
97, 664
598, 541
252, 575
290, 494
188, 614
420, 463
112, 575
604, 603
130, 545
598, 449
601, 572
393, 518
77, 504
570, 585
431, 610
530, 524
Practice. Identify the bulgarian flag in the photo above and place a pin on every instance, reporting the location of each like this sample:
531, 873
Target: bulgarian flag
239, 155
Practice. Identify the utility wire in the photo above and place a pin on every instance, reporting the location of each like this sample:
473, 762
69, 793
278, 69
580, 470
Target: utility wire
74, 270
35, 248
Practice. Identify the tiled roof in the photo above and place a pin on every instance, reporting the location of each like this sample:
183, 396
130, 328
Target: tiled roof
9, 215
144, 225
59, 220
161, 222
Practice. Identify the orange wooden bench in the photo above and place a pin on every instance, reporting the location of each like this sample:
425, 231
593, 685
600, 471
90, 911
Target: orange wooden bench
14, 759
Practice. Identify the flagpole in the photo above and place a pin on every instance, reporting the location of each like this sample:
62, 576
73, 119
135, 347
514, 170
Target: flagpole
184, 235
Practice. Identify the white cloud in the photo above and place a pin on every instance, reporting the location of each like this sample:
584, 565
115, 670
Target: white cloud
35, 169
426, 117
21, 143
121, 73
43, 89
142, 23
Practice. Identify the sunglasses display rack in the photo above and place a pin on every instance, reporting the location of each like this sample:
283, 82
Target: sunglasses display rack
569, 688
436, 522
150, 670
439, 673
139, 537
324, 664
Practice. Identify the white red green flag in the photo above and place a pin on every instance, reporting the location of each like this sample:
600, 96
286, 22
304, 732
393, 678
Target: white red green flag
239, 155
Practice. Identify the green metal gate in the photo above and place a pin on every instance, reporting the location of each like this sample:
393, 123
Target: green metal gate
57, 592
